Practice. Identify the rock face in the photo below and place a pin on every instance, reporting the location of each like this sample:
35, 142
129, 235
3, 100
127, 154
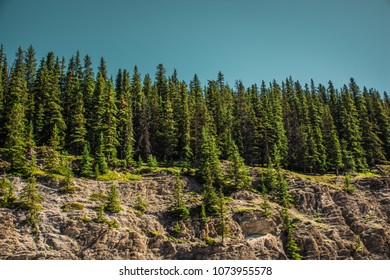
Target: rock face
328, 223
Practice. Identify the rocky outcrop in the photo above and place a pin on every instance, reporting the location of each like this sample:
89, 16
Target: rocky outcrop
328, 223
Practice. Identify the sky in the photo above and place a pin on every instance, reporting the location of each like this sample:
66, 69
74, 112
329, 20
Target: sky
247, 40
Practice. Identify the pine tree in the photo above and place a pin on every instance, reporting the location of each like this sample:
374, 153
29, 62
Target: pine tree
74, 110
7, 193
209, 165
168, 134
372, 144
210, 197
30, 74
86, 162
88, 88
351, 131
183, 123
98, 104
114, 203
179, 208
245, 125
30, 200
110, 125
198, 116
316, 123
223, 224
101, 166
53, 158
15, 142
125, 117
48, 110
161, 83
331, 142
237, 174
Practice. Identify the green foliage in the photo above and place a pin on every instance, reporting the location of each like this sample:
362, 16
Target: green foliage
7, 193
71, 110
113, 204
291, 245
140, 204
30, 201
86, 219
203, 217
209, 166
265, 206
268, 180
209, 241
69, 186
101, 166
179, 208
98, 197
285, 198
86, 168
102, 219
72, 206
347, 187
223, 225
210, 197
15, 142
152, 161
176, 229
238, 176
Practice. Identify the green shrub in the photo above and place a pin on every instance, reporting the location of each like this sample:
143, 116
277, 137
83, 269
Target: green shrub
7, 193
348, 185
177, 228
152, 161
265, 207
140, 204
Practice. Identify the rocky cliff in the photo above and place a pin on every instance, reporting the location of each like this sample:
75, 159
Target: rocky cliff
329, 223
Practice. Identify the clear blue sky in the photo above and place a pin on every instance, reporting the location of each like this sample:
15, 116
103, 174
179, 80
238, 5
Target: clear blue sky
245, 39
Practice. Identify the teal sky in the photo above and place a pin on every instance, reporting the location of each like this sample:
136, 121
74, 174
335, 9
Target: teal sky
245, 39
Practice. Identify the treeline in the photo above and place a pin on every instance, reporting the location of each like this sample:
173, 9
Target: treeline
118, 121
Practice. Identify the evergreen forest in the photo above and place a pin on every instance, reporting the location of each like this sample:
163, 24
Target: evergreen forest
62, 109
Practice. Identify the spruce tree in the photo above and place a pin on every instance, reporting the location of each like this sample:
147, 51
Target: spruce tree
351, 131
86, 168
114, 203
15, 142
198, 116
168, 134
74, 110
331, 142
209, 165
124, 118
7, 193
223, 223
30, 200
237, 174
30, 74
88, 88
110, 124
101, 166
179, 208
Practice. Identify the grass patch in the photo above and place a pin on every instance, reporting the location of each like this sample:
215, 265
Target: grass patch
243, 210
109, 176
98, 197
209, 241
116, 176
72, 206
159, 170
127, 177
